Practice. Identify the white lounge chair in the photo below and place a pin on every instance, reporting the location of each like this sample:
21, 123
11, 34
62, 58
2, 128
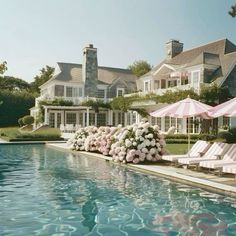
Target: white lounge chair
229, 158
216, 151
197, 150
229, 169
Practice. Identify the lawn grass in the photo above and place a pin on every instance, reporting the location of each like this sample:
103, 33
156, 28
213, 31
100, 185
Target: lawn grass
177, 148
14, 134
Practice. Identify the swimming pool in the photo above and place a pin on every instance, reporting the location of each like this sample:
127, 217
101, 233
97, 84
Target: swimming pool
44, 191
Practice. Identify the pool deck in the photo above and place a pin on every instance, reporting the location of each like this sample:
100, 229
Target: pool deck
211, 181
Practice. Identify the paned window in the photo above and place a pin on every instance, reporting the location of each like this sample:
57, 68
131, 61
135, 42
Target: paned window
120, 92
59, 90
69, 92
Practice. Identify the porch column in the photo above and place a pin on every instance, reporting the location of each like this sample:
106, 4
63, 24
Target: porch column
83, 119
166, 84
87, 114
63, 117
111, 117
46, 116
96, 119
162, 128
125, 119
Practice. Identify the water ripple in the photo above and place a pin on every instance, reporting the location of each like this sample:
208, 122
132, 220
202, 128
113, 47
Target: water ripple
47, 192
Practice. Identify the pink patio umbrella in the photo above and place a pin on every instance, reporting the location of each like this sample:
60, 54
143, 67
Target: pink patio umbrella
224, 109
184, 109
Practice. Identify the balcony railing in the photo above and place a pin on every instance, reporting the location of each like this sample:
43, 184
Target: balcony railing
75, 100
161, 91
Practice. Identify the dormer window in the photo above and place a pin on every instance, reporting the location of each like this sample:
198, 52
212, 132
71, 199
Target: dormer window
101, 93
120, 92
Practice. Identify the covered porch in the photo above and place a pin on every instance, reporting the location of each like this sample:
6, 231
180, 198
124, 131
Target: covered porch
82, 116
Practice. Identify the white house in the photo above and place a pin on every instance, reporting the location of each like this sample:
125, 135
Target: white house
83, 82
214, 62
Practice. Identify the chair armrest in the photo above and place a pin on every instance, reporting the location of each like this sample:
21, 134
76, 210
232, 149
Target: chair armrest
201, 154
219, 157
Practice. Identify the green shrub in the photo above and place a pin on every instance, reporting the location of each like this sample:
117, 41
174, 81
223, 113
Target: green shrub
168, 141
193, 137
28, 120
20, 122
14, 105
230, 136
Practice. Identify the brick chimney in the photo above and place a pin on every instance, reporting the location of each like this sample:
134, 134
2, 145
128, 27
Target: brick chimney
173, 48
90, 70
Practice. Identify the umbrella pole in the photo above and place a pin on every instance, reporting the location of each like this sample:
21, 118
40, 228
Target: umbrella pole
188, 134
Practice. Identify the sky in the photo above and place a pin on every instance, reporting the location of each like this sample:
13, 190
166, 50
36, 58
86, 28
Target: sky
34, 34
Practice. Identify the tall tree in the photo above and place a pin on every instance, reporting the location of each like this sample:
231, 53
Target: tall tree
140, 67
12, 84
213, 95
3, 67
232, 11
46, 73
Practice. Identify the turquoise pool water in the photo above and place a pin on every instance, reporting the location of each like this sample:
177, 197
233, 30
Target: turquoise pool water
48, 192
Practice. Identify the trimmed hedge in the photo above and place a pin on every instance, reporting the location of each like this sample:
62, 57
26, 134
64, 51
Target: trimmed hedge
14, 134
229, 136
28, 120
14, 105
183, 138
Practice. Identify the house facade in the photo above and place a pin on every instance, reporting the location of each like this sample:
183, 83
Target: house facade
181, 69
82, 82
214, 62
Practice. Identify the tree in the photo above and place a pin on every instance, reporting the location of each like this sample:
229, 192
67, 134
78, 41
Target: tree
46, 73
140, 67
12, 84
213, 95
232, 11
14, 106
3, 67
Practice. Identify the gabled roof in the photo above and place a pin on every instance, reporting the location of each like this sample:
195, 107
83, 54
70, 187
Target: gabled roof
220, 53
71, 72
220, 47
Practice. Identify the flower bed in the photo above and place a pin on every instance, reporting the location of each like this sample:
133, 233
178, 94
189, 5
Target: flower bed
136, 143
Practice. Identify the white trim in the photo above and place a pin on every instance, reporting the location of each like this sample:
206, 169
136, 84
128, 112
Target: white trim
120, 89
164, 65
199, 79
148, 85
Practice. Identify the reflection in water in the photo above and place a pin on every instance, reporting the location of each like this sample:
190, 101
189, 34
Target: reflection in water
89, 211
44, 192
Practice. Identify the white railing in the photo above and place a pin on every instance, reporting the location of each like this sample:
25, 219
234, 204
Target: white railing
160, 91
75, 100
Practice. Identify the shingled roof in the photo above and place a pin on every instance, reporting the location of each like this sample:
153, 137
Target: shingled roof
71, 72
221, 53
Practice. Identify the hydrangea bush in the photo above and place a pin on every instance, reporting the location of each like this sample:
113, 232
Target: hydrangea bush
77, 142
135, 143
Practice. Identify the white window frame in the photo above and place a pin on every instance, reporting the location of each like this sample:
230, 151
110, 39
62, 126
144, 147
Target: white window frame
148, 82
193, 84
122, 91
104, 93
